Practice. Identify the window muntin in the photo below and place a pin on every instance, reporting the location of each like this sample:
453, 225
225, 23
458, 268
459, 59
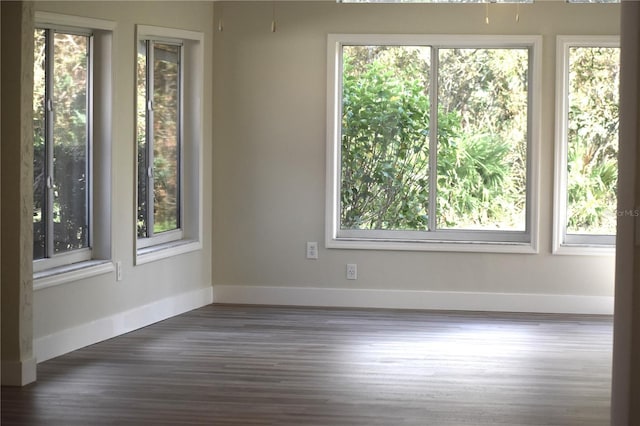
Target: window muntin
159, 137
420, 205
587, 142
62, 147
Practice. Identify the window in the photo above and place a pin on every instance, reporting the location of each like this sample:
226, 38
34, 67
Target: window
168, 136
61, 172
593, 1
159, 139
431, 141
587, 144
442, 1
71, 149
470, 1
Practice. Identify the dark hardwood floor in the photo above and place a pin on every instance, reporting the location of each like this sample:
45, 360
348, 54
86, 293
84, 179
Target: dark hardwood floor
252, 365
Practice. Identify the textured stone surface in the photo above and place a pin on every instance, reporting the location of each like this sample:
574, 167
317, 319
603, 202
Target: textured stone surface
17, 177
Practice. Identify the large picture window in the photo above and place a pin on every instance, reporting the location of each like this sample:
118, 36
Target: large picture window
431, 141
587, 143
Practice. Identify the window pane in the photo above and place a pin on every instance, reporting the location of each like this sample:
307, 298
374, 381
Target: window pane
448, 1
593, 1
166, 140
70, 166
482, 139
592, 140
385, 138
39, 151
141, 135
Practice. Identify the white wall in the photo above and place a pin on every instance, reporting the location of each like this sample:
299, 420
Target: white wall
81, 312
269, 167
267, 162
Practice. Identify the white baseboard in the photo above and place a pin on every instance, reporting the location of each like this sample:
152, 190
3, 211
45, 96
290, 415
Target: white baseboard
410, 299
18, 373
68, 340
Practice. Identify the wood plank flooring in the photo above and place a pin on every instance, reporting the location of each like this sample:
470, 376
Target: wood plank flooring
257, 365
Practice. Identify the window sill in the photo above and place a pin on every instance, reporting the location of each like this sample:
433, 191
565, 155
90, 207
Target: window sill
585, 250
163, 251
440, 246
69, 273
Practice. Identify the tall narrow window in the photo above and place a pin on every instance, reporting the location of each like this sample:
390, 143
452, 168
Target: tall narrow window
62, 146
169, 92
159, 140
587, 148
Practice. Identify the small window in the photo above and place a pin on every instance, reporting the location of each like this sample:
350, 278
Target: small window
169, 84
587, 143
431, 143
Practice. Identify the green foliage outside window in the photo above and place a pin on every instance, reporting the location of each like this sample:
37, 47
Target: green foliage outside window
385, 141
61, 143
481, 139
593, 119
158, 138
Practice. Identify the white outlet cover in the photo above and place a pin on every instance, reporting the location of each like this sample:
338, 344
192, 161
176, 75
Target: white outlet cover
312, 250
352, 271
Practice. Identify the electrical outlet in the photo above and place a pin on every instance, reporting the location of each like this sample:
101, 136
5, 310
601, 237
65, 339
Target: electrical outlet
352, 271
312, 250
119, 270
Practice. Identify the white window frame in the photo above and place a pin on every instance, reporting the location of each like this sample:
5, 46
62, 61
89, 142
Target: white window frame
188, 237
52, 259
438, 240
174, 234
96, 259
563, 243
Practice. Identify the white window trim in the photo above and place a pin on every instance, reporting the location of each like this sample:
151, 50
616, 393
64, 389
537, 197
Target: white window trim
189, 237
462, 243
72, 272
582, 245
96, 260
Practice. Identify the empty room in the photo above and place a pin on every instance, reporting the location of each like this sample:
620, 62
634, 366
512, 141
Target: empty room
319, 213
